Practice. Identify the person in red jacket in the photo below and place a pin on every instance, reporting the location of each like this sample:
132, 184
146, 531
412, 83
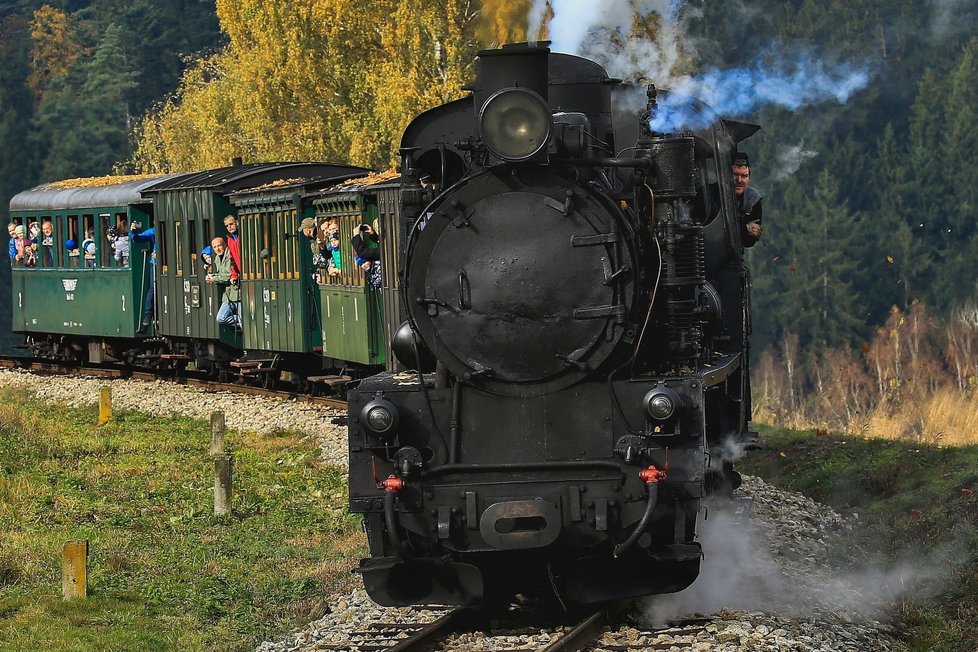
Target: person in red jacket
233, 245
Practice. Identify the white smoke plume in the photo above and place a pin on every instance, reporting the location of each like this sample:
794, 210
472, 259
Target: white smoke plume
787, 77
743, 568
789, 158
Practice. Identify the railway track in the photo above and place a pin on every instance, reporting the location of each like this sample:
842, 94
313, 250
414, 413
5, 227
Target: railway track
183, 378
467, 630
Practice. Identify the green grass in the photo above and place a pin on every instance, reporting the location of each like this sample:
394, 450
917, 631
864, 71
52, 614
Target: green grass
917, 504
164, 573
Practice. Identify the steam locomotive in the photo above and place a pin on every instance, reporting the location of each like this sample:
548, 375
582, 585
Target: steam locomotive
576, 339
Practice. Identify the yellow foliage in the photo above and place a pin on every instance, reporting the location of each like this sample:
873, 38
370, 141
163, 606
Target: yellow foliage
94, 182
504, 21
312, 80
53, 47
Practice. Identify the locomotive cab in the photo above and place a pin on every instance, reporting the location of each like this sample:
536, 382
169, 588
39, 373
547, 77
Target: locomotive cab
587, 312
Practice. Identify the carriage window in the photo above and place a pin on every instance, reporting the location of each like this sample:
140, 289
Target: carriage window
207, 233
46, 243
104, 251
193, 244
256, 242
295, 258
178, 247
163, 247
120, 246
272, 260
88, 246
72, 243
290, 262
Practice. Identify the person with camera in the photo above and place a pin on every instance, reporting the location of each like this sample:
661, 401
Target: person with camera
366, 246
119, 241
221, 266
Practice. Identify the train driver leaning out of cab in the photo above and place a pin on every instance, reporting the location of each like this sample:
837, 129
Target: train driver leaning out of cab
748, 200
222, 264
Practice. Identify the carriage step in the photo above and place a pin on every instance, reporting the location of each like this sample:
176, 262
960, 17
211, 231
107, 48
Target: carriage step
254, 371
330, 381
250, 364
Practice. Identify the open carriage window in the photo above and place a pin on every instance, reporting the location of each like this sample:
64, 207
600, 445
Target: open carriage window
178, 247
120, 244
193, 243
163, 248
104, 247
88, 246
73, 242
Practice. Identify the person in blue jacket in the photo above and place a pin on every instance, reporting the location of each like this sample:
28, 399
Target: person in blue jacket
12, 245
147, 235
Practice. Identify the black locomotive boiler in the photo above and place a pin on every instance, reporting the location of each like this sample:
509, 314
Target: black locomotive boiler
575, 344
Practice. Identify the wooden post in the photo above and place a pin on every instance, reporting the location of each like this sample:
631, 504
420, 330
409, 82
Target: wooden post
223, 472
104, 405
74, 569
217, 433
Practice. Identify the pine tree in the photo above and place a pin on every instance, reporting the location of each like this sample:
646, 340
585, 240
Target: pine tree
960, 145
823, 305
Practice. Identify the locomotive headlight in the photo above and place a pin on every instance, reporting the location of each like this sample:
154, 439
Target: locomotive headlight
380, 417
515, 124
661, 404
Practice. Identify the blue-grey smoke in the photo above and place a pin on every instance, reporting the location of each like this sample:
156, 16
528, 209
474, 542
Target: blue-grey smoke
790, 82
601, 31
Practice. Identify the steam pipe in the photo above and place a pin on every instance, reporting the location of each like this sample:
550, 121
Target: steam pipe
653, 498
617, 162
393, 528
454, 426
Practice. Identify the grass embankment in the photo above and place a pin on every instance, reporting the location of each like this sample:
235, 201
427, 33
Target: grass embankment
917, 504
164, 573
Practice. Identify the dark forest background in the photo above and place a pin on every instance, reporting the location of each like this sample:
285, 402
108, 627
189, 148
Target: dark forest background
871, 207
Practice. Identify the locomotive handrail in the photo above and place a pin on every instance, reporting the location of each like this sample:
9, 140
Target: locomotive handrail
628, 162
524, 466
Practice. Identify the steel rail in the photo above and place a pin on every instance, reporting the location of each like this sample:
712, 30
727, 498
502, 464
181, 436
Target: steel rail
583, 634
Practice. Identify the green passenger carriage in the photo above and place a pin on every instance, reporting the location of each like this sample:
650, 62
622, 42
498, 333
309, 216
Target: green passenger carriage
190, 212
358, 319
77, 304
322, 329
279, 294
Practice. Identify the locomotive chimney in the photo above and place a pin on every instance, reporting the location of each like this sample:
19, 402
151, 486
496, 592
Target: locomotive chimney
519, 65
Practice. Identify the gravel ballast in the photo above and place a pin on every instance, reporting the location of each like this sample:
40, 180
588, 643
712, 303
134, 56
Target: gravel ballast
767, 583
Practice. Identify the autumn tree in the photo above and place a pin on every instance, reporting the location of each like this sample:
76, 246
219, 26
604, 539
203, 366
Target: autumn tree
54, 47
312, 79
504, 21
